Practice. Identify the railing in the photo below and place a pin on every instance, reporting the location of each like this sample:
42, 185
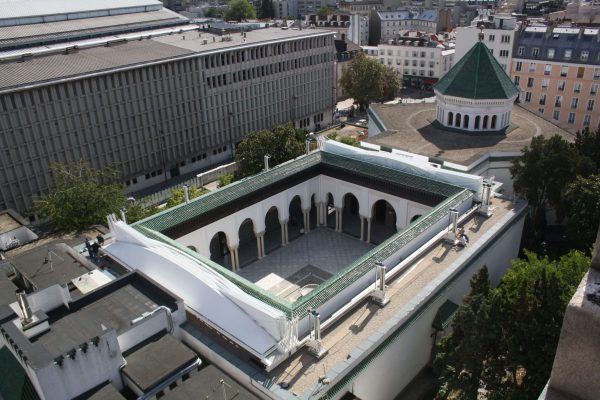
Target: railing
197, 181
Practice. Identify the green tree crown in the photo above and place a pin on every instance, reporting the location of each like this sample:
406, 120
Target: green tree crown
240, 10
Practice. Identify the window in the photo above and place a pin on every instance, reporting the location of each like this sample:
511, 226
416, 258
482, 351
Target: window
561, 86
491, 38
547, 69
503, 53
590, 105
564, 70
587, 119
517, 80
431, 64
532, 67
529, 82
545, 83
574, 102
580, 72
542, 99
585, 55
550, 54
558, 101
519, 66
593, 89
527, 97
535, 52
568, 53
577, 87
596, 74
505, 38
556, 115
571, 118
521, 50
541, 110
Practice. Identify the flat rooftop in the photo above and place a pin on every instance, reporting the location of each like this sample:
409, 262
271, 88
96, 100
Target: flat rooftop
32, 8
115, 310
347, 338
409, 127
156, 360
12, 36
48, 265
209, 383
7, 289
94, 60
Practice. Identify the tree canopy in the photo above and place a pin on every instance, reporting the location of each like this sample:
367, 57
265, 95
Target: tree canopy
266, 9
282, 143
582, 211
81, 196
240, 10
366, 80
542, 174
504, 339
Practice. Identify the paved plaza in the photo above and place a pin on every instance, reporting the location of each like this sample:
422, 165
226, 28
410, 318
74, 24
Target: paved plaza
305, 262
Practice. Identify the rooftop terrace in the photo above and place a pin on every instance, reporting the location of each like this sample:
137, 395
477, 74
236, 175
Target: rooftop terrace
350, 340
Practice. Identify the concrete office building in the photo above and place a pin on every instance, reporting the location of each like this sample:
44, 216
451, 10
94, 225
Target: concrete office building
558, 72
156, 103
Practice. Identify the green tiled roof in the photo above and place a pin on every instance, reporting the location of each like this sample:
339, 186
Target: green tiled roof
477, 76
155, 226
14, 382
340, 280
201, 205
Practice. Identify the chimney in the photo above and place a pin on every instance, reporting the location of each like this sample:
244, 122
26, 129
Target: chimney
25, 309
186, 192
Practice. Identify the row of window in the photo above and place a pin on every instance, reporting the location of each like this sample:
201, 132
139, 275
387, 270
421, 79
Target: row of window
564, 70
257, 53
558, 101
561, 85
407, 53
265, 70
584, 55
587, 119
503, 38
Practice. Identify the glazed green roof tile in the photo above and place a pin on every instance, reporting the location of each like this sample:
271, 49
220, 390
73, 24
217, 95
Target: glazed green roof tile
477, 75
196, 208
342, 279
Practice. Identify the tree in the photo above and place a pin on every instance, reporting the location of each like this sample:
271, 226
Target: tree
582, 210
587, 144
240, 10
541, 175
391, 83
266, 9
365, 80
465, 358
81, 196
213, 12
504, 339
324, 11
178, 195
282, 143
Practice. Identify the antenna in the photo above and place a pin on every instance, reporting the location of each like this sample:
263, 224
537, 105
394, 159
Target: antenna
48, 258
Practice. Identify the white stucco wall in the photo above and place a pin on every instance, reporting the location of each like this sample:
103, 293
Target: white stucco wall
320, 187
395, 367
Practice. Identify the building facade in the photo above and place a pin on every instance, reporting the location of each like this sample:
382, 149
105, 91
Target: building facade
419, 61
391, 25
558, 72
156, 107
498, 36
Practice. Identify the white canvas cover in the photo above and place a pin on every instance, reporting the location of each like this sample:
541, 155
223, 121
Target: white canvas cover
258, 326
415, 166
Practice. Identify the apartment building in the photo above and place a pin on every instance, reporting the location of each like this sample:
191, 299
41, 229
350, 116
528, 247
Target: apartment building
558, 72
156, 103
358, 31
388, 25
419, 61
498, 35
